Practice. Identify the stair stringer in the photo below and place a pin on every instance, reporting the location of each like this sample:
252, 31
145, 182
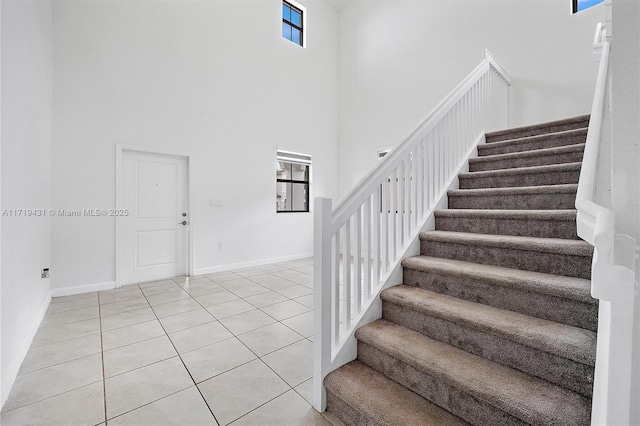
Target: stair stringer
346, 350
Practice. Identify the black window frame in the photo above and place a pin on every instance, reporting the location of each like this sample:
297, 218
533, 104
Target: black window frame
301, 159
575, 7
292, 25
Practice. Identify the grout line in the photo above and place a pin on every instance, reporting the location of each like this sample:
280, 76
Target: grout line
185, 365
49, 397
104, 381
23, 373
258, 357
262, 405
149, 403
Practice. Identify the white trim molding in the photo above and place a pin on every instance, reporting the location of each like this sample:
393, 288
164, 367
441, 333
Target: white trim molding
242, 265
81, 289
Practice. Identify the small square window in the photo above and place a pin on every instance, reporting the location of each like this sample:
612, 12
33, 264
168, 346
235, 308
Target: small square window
292, 23
292, 182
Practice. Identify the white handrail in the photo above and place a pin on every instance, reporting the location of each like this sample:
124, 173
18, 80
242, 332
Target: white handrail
612, 275
359, 244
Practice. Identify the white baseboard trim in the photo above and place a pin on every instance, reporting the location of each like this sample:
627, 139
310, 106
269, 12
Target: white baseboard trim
79, 289
14, 367
241, 265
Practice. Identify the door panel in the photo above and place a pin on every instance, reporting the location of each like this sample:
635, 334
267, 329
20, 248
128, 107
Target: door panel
155, 248
156, 190
153, 238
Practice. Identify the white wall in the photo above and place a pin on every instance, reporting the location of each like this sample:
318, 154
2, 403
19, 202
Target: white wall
399, 58
210, 78
625, 195
26, 175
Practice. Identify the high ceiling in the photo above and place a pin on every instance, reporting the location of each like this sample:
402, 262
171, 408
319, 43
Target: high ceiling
336, 4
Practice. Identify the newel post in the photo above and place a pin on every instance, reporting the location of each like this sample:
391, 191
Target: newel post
321, 298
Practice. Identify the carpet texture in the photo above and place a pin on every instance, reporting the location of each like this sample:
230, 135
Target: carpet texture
494, 323
538, 157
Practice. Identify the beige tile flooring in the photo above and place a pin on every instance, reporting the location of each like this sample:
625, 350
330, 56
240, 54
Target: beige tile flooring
232, 347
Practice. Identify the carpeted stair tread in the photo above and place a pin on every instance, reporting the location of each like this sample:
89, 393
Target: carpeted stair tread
529, 223
554, 285
559, 298
536, 157
548, 255
541, 197
544, 245
525, 397
376, 400
563, 340
567, 173
529, 190
527, 143
523, 170
538, 129
551, 215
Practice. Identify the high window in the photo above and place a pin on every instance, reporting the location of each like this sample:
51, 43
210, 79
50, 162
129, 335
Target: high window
292, 182
292, 23
580, 5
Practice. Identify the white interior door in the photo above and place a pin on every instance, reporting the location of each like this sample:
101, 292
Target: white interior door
154, 233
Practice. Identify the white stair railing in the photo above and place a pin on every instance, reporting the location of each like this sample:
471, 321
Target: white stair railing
360, 243
613, 266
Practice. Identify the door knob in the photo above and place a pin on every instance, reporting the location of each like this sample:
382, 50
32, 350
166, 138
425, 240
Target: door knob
184, 222
184, 214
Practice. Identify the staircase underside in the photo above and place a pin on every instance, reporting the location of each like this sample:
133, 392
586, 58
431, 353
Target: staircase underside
494, 323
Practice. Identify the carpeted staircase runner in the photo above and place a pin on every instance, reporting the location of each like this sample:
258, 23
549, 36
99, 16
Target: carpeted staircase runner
494, 323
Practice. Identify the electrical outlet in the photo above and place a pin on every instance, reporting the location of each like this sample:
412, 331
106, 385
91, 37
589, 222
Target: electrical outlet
220, 247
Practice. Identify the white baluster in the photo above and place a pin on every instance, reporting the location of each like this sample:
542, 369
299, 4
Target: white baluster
357, 284
367, 249
346, 285
408, 208
377, 237
393, 205
386, 215
419, 184
336, 289
401, 203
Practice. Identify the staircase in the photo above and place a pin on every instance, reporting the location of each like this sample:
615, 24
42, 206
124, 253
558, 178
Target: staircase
494, 323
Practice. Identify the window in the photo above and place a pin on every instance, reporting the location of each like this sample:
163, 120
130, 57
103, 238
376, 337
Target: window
292, 23
580, 5
292, 182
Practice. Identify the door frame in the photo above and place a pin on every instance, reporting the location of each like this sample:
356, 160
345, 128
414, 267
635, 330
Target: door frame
120, 148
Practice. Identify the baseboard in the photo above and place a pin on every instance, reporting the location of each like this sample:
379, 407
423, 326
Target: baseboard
14, 367
241, 265
79, 289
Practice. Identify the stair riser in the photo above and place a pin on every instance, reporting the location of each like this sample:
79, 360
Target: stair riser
487, 163
529, 145
533, 179
537, 130
553, 201
344, 412
550, 263
498, 226
564, 311
443, 394
561, 371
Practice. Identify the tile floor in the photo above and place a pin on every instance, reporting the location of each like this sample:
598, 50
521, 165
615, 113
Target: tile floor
232, 347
